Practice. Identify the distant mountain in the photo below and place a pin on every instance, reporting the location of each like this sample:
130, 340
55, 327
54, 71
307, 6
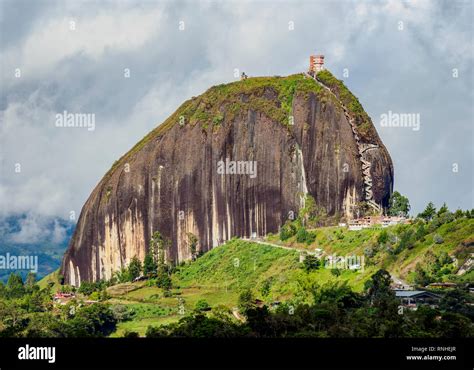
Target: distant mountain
29, 235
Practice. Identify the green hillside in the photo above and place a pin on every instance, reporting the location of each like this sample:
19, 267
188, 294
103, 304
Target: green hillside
275, 274
51, 280
417, 253
398, 249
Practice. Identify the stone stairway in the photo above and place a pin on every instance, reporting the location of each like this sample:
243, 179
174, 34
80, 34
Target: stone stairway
362, 149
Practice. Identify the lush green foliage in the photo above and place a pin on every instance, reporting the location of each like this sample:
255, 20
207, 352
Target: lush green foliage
149, 265
398, 205
297, 301
336, 311
192, 243
202, 305
311, 215
429, 212
134, 268
288, 230
163, 279
311, 263
27, 311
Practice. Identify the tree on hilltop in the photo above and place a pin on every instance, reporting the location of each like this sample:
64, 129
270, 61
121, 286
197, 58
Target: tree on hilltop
399, 205
429, 212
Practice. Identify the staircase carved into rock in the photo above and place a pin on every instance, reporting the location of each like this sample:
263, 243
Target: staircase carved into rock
362, 149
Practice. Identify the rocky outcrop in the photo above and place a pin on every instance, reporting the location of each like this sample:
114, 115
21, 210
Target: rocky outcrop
179, 179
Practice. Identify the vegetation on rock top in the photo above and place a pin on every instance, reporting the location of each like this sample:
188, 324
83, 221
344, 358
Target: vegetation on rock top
366, 129
272, 96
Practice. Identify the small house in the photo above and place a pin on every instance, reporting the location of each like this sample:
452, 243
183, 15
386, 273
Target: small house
414, 298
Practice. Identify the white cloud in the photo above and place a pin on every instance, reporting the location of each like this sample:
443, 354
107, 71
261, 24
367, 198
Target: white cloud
52, 40
59, 233
82, 70
32, 230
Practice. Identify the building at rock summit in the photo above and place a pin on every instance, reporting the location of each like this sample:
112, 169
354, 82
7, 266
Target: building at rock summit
316, 63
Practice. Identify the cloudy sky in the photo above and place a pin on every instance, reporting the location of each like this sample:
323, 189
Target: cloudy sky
400, 56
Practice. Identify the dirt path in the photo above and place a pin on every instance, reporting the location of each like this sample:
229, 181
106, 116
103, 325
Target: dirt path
237, 315
259, 241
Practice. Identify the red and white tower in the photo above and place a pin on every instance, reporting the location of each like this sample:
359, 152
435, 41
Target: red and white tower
316, 63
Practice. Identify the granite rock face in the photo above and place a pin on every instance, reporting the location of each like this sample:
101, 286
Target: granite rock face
285, 137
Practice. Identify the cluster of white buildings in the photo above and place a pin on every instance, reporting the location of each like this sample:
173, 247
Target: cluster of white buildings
374, 221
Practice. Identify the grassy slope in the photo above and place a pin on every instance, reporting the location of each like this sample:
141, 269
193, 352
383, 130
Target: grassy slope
219, 275
340, 241
51, 278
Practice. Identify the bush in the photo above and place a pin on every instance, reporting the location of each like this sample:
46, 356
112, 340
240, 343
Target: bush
369, 252
438, 239
406, 241
383, 237
130, 334
311, 263
87, 288
163, 280
301, 235
122, 276
95, 296
246, 301
339, 235
420, 232
122, 312
287, 231
202, 305
217, 120
266, 286
134, 268
421, 276
96, 320
304, 236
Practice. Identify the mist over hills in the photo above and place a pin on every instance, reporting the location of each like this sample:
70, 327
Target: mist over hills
31, 235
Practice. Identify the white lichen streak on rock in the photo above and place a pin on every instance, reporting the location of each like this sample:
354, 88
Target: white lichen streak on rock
72, 273
215, 220
350, 201
78, 274
133, 236
185, 226
110, 248
302, 181
228, 218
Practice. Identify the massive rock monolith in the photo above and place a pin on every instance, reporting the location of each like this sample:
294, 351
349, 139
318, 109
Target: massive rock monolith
304, 137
